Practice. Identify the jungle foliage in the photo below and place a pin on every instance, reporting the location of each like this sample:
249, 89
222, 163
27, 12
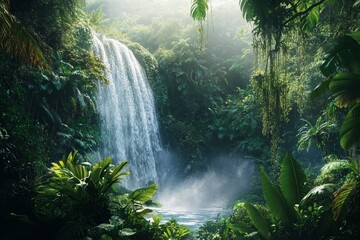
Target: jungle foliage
277, 24
298, 92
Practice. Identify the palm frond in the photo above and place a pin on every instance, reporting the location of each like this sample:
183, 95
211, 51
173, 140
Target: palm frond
345, 52
343, 196
16, 40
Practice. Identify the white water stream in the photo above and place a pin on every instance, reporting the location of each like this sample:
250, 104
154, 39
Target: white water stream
128, 118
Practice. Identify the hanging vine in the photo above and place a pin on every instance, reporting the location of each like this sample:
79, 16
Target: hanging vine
198, 13
273, 22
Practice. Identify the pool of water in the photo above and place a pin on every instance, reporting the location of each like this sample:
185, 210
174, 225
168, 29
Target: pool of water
192, 218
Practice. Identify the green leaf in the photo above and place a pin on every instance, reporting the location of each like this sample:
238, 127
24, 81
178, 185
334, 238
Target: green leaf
320, 194
355, 35
292, 180
17, 40
152, 203
258, 220
345, 87
275, 199
311, 19
126, 232
350, 129
143, 195
143, 212
342, 196
322, 88
198, 10
157, 220
336, 166
239, 226
345, 52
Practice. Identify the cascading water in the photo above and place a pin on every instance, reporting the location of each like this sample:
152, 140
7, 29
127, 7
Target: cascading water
130, 132
128, 118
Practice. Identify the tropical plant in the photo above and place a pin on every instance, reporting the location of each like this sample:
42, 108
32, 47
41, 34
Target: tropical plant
174, 231
340, 180
212, 230
287, 204
80, 200
274, 21
138, 199
115, 229
18, 41
318, 134
346, 196
341, 67
236, 121
199, 9
71, 139
198, 13
79, 190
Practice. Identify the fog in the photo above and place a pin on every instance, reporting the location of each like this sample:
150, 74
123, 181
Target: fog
147, 11
224, 179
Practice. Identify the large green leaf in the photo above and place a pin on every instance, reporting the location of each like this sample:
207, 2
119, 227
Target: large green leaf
258, 220
275, 200
350, 129
239, 226
311, 19
322, 195
320, 89
199, 9
345, 52
246, 9
144, 194
343, 196
292, 180
254, 10
100, 169
345, 87
355, 35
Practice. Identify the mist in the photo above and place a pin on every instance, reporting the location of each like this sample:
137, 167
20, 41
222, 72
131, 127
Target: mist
224, 179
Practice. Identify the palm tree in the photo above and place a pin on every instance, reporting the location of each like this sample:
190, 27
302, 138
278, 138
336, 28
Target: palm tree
18, 41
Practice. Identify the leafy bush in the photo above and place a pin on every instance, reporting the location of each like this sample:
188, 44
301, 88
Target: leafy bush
79, 190
212, 230
292, 214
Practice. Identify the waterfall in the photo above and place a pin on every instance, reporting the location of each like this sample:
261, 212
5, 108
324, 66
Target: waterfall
128, 118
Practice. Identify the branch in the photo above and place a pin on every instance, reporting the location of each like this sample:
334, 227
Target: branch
299, 14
